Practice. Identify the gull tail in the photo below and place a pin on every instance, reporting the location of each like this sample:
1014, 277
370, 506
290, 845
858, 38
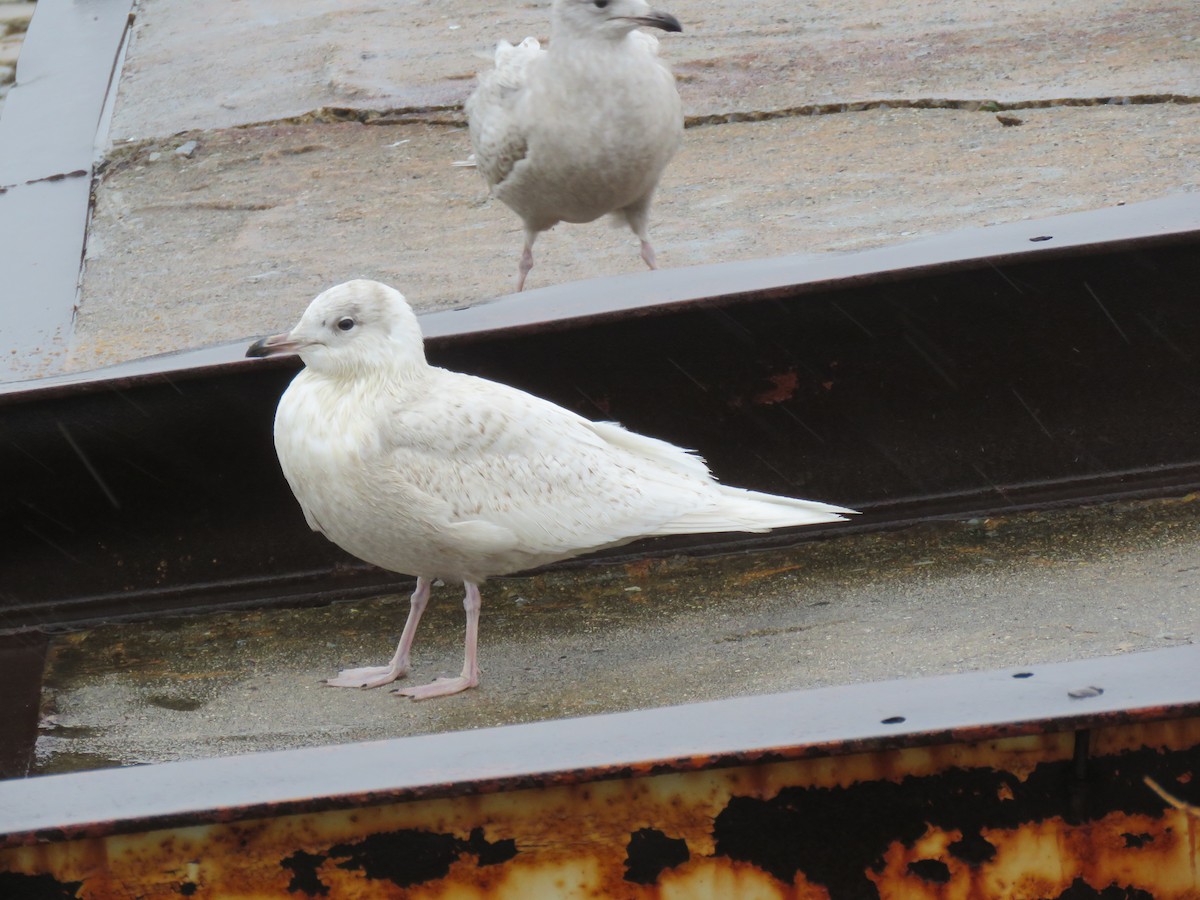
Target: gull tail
737, 509
729, 508
511, 62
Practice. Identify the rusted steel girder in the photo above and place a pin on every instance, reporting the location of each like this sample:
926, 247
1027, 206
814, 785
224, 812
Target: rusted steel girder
938, 380
1020, 783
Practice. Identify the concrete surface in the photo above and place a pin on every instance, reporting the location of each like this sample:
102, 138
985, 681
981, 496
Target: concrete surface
212, 66
952, 597
235, 240
236, 189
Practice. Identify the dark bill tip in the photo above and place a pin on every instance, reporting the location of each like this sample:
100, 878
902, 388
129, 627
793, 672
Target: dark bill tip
269, 346
258, 348
665, 21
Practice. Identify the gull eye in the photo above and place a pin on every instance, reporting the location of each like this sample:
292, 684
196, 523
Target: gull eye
345, 323
600, 4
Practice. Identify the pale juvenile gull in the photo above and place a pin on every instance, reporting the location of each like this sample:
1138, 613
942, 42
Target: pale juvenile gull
438, 474
584, 128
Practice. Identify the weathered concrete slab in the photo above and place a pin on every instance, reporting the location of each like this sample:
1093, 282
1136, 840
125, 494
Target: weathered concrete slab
235, 239
209, 66
938, 599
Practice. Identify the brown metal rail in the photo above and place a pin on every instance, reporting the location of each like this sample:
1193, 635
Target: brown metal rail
1020, 783
989, 369
955, 378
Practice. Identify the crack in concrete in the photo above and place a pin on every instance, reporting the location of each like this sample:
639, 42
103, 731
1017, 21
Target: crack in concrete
993, 106
57, 176
452, 114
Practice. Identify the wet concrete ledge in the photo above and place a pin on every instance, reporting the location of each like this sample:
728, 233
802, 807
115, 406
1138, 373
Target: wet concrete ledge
639, 633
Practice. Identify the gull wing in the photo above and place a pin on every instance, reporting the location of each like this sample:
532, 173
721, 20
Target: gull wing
498, 136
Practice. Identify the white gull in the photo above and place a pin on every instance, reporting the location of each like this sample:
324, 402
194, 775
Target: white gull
439, 474
583, 128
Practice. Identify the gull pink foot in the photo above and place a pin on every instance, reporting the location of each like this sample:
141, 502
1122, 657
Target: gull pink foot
367, 677
440, 687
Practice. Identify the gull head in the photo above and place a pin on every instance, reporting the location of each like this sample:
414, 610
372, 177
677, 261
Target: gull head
609, 18
352, 329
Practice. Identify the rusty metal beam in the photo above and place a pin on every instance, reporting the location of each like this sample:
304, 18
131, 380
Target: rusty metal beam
944, 389
1024, 783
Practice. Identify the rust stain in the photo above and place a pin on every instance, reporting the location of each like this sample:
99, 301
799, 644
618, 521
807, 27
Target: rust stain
644, 568
757, 574
783, 388
1007, 817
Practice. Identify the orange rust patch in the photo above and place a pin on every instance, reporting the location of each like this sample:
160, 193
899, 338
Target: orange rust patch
757, 574
643, 568
784, 388
955, 820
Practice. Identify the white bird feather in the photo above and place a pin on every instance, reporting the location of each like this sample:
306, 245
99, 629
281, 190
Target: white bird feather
440, 474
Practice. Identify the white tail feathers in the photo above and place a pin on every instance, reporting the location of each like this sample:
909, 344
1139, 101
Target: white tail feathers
511, 62
737, 509
732, 509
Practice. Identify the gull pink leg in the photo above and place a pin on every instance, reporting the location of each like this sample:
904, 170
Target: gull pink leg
648, 255
638, 216
376, 676
470, 673
524, 267
526, 259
